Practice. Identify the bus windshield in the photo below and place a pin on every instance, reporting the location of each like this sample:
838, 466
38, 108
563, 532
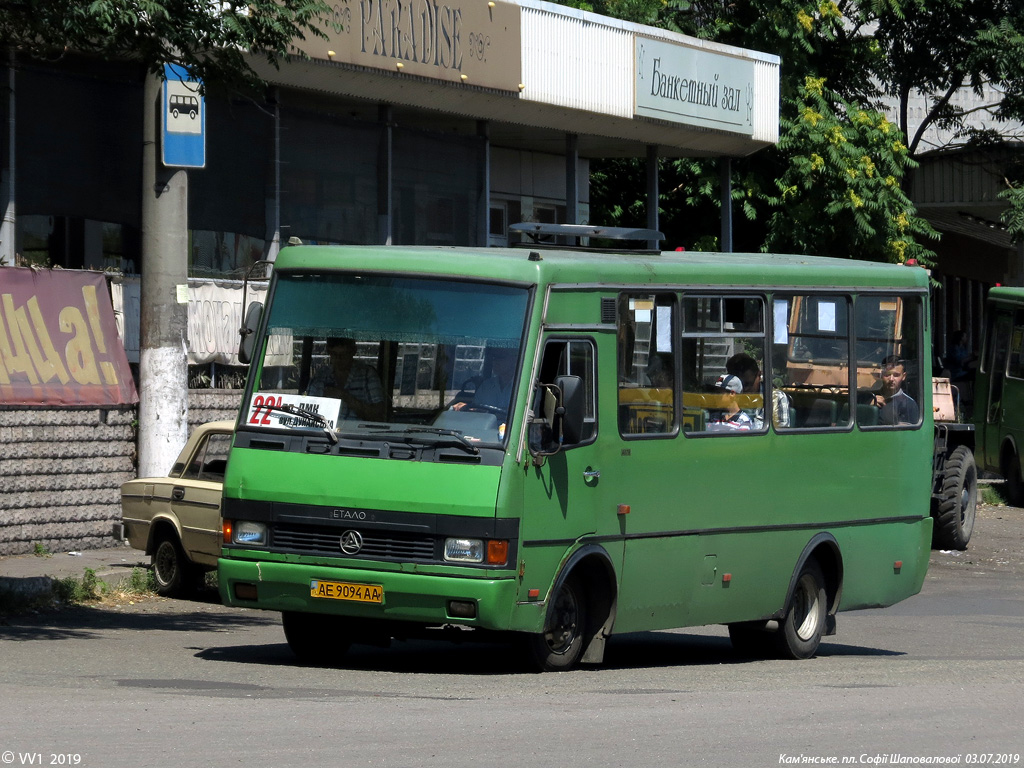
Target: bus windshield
413, 355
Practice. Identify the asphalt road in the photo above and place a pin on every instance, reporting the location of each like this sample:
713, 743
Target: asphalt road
189, 683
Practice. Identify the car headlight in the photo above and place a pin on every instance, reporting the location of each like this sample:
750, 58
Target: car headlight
249, 532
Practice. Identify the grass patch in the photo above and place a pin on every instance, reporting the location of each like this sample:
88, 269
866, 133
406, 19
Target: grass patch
991, 494
71, 591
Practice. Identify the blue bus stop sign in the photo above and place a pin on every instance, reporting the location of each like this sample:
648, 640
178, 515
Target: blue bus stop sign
183, 131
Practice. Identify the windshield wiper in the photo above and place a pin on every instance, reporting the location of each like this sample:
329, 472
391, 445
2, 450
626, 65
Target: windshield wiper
312, 416
459, 440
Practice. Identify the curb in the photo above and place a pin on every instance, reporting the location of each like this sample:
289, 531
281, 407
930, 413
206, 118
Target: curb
28, 587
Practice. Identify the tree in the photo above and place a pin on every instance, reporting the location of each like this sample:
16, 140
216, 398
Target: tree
212, 40
847, 162
807, 194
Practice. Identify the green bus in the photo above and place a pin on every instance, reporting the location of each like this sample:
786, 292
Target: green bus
999, 391
555, 445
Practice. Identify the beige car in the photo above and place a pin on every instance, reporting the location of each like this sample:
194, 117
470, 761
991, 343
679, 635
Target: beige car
176, 519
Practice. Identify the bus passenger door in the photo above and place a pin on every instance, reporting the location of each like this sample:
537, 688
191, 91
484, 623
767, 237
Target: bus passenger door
565, 496
995, 365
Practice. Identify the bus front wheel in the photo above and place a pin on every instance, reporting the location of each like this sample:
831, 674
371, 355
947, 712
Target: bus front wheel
314, 637
800, 630
561, 644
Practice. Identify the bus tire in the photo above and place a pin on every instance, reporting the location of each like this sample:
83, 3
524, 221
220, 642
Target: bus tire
173, 574
561, 644
800, 630
315, 638
750, 639
957, 501
1014, 483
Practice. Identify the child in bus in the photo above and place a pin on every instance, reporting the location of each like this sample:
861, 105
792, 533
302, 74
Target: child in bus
895, 405
730, 417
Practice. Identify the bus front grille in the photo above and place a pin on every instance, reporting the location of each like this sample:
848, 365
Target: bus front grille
376, 545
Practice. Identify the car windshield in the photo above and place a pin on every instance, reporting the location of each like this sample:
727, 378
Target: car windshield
431, 361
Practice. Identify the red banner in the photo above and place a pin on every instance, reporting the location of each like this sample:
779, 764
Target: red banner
58, 340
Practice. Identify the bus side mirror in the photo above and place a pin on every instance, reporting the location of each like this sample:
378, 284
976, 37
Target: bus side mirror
560, 421
247, 343
573, 407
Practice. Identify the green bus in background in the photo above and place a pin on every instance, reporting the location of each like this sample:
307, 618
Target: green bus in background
566, 445
999, 391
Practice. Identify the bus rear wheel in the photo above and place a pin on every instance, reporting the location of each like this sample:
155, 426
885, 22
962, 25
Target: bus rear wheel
561, 644
957, 502
1014, 483
316, 638
800, 630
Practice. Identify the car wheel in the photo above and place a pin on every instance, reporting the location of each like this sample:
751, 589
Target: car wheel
172, 571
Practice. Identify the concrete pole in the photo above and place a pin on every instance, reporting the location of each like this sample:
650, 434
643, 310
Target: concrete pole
163, 361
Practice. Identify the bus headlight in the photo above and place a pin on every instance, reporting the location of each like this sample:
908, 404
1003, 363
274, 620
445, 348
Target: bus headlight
248, 532
490, 551
464, 550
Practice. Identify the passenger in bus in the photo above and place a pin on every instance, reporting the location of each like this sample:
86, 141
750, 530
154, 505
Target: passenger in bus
495, 392
731, 417
896, 406
355, 383
746, 369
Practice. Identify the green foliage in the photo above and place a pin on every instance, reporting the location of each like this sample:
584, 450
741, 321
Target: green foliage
836, 182
991, 495
1013, 216
210, 39
937, 47
41, 550
140, 582
840, 193
73, 591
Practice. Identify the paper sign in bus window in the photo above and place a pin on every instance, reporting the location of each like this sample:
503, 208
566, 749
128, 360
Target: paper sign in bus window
664, 342
781, 321
827, 316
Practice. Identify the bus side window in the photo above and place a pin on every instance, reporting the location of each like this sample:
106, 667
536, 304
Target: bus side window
573, 357
723, 347
811, 360
889, 360
646, 364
